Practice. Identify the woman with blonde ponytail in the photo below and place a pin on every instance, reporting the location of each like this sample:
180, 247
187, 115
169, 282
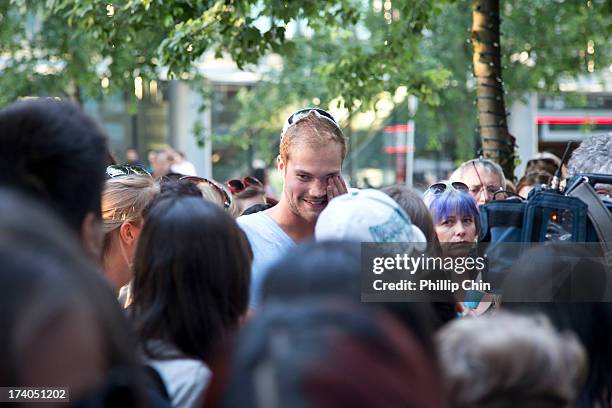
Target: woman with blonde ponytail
123, 199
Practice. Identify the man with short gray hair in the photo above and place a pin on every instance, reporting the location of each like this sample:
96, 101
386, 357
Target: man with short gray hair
482, 176
594, 155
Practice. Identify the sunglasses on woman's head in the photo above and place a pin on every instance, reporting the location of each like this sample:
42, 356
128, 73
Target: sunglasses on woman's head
296, 116
227, 201
440, 187
238, 185
120, 170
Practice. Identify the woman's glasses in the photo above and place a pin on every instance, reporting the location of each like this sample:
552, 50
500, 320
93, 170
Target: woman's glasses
296, 116
227, 201
121, 170
440, 187
238, 185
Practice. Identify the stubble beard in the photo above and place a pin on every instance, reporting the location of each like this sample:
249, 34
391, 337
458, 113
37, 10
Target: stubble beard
299, 208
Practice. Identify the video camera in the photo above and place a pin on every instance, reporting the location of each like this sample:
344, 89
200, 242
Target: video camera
575, 213
553, 213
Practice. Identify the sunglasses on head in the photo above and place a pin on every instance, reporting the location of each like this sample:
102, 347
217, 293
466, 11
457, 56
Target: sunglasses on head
296, 116
227, 201
121, 170
440, 187
238, 185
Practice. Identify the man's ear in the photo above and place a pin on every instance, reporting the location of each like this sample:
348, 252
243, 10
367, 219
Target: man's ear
92, 235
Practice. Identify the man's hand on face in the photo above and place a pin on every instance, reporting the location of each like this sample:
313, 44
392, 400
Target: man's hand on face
335, 187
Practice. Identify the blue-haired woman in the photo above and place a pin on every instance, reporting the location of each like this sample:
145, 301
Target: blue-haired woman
456, 223
455, 217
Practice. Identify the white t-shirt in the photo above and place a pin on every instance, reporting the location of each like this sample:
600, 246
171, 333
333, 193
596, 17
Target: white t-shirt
185, 378
268, 242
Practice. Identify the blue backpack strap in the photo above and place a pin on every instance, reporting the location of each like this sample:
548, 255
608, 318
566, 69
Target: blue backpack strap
599, 215
154, 385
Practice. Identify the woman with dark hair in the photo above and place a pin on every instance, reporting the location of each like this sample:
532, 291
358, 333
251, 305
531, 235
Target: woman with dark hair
190, 290
530, 180
61, 324
414, 206
53, 151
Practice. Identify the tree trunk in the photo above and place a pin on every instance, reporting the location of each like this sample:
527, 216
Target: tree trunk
497, 142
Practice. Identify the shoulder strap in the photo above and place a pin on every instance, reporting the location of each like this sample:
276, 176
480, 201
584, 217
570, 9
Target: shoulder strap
155, 381
598, 214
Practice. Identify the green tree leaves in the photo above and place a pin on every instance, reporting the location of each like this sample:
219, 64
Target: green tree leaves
350, 48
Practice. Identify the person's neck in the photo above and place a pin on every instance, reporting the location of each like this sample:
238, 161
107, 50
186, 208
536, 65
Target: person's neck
294, 226
245, 203
115, 269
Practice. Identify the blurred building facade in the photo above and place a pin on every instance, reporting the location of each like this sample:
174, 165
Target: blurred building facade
170, 113
173, 113
542, 122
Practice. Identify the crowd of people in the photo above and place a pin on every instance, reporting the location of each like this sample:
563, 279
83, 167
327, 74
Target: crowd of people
157, 288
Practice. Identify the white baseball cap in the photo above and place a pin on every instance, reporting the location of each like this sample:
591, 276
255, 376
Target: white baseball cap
367, 216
